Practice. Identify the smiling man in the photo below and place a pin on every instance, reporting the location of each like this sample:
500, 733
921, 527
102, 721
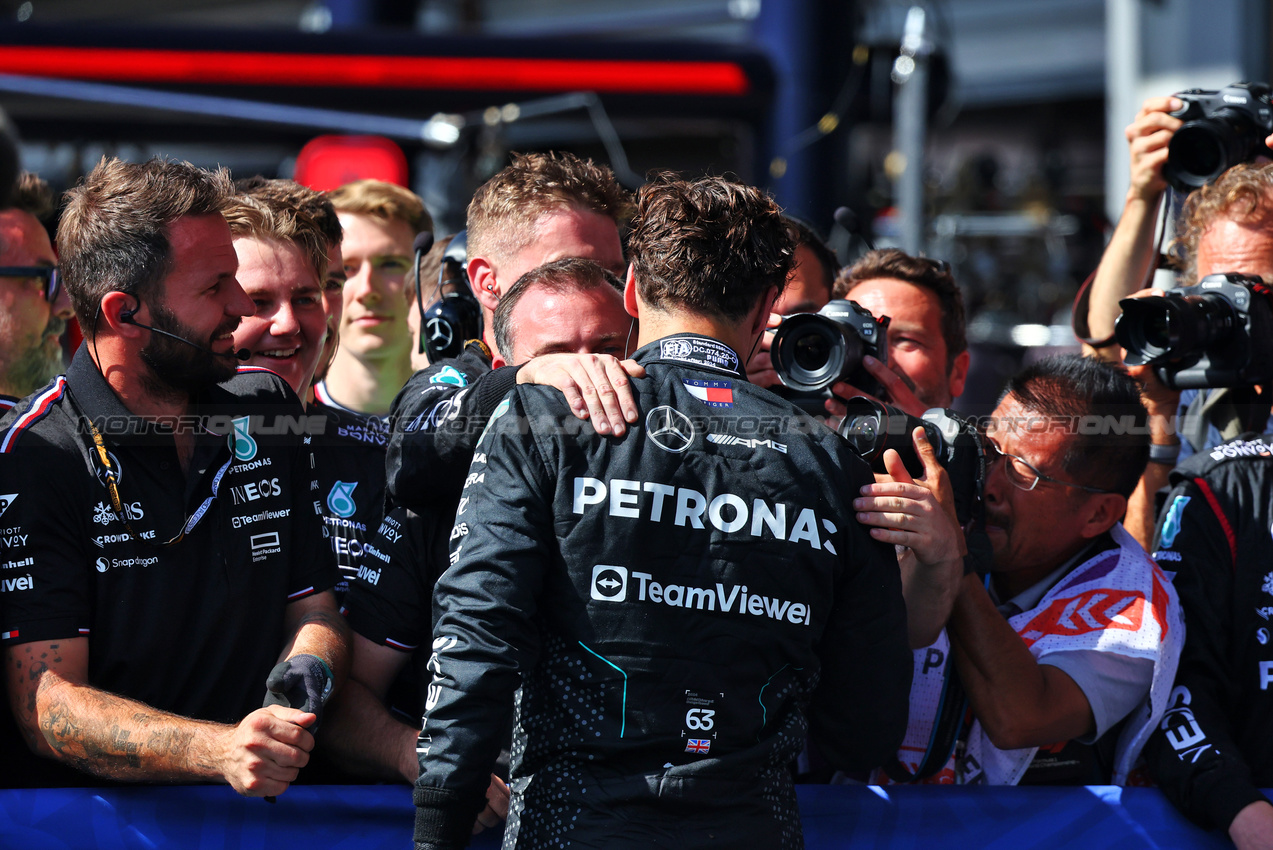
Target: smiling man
33, 308
168, 535
282, 262
1076, 628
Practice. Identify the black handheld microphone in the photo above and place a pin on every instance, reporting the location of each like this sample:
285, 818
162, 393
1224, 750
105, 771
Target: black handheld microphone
848, 219
241, 355
422, 244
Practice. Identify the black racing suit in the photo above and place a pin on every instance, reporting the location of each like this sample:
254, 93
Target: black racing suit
673, 604
433, 425
1213, 749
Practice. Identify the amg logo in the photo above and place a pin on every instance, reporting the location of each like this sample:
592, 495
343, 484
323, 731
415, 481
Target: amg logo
725, 511
731, 440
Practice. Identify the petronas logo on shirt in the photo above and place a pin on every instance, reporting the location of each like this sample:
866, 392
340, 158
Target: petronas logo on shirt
340, 501
244, 444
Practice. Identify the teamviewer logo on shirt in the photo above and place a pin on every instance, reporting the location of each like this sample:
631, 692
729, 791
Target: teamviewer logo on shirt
609, 584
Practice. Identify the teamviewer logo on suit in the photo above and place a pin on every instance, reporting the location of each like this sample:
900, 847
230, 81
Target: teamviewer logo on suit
609, 584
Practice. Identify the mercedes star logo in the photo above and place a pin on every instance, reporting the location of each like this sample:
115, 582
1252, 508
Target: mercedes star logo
440, 333
669, 429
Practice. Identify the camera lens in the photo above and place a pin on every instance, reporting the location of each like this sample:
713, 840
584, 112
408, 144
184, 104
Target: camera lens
1157, 331
862, 432
811, 351
1174, 328
1202, 150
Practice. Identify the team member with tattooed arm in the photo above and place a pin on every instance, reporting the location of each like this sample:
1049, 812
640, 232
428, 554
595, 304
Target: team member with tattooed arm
173, 574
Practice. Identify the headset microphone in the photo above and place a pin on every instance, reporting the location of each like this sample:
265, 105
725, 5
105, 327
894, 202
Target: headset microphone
241, 354
848, 219
422, 244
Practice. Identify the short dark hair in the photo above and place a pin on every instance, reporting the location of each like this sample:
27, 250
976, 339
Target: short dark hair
572, 274
933, 275
33, 195
805, 236
1111, 452
711, 245
113, 235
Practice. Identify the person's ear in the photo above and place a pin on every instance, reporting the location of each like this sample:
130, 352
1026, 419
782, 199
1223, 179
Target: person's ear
482, 282
630, 293
1101, 512
117, 311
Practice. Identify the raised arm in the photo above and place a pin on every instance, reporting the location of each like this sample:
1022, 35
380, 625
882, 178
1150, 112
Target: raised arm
1127, 259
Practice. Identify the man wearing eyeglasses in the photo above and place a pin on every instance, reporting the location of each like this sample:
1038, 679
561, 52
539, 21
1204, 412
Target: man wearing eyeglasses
33, 308
1067, 649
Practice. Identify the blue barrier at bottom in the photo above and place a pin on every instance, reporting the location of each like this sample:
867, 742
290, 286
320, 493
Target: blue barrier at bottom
361, 817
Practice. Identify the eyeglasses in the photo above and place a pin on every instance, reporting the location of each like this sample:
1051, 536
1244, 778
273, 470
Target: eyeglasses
49, 274
1023, 474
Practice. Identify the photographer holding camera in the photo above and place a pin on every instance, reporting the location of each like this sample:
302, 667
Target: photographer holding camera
900, 339
1074, 629
1224, 228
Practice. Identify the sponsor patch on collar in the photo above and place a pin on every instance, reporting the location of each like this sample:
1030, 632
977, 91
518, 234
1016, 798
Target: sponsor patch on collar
701, 352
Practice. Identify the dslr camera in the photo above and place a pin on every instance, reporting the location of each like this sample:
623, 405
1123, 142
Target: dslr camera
812, 351
1222, 129
871, 428
1216, 334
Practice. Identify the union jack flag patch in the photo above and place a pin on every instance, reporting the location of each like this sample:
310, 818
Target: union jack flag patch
698, 745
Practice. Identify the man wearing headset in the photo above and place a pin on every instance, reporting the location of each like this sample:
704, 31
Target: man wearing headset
541, 208
164, 572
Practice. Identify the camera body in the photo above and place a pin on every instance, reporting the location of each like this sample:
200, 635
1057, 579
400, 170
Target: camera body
871, 428
1222, 128
1218, 333
812, 351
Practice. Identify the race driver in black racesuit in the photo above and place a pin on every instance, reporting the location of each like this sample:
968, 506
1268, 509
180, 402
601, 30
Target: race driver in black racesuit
677, 605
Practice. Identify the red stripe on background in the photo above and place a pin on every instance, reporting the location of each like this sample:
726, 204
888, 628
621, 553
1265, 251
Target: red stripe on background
1224, 520
393, 72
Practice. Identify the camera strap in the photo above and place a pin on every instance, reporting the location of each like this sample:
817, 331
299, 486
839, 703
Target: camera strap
952, 708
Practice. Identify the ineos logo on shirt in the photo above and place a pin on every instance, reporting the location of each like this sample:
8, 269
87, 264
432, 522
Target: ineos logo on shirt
669, 429
609, 583
254, 490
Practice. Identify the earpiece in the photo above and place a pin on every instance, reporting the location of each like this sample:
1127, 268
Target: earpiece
126, 316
